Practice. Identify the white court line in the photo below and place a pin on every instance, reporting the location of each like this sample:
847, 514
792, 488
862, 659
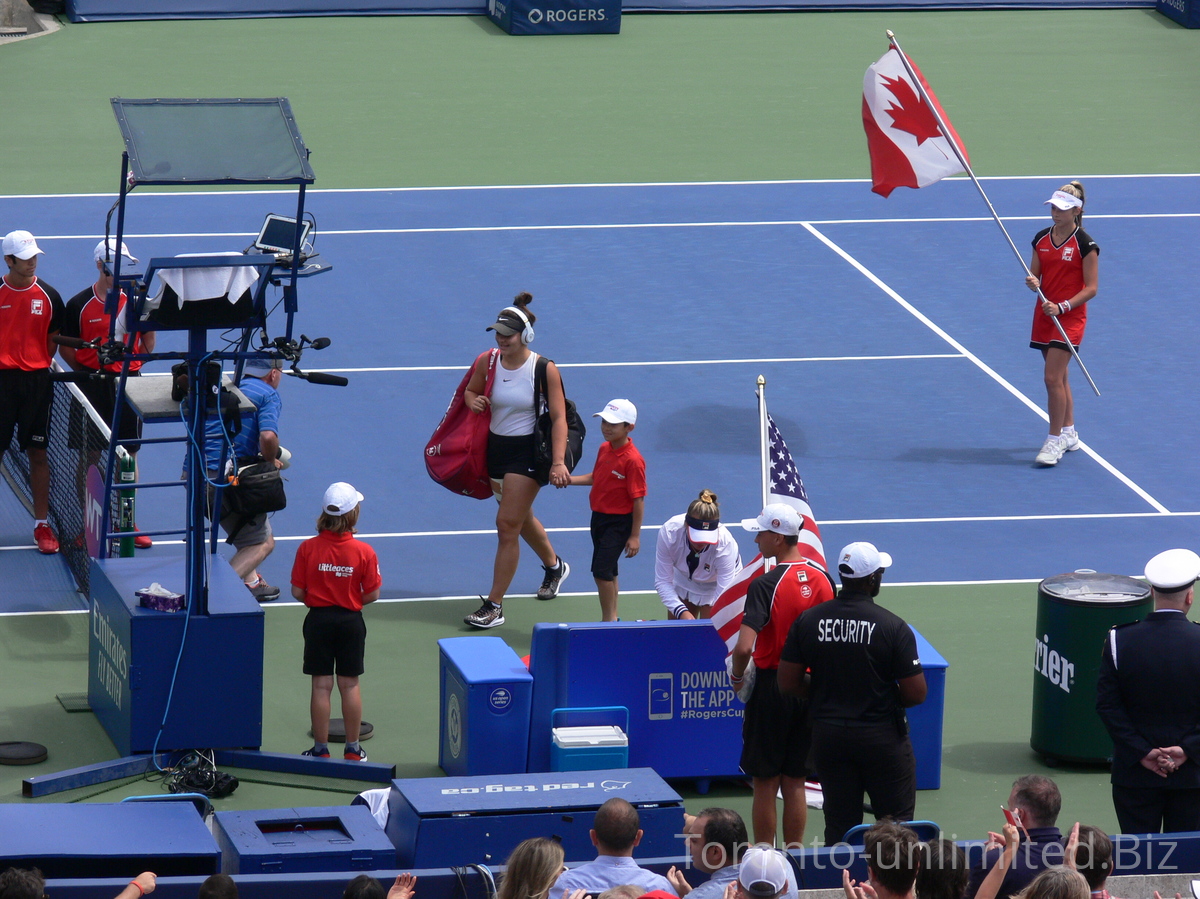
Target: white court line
890, 358
988, 370
621, 226
288, 194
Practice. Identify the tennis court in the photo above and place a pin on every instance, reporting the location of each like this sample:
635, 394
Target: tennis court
892, 336
676, 291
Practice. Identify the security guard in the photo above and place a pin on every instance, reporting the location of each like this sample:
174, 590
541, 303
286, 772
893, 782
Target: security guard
864, 673
1148, 696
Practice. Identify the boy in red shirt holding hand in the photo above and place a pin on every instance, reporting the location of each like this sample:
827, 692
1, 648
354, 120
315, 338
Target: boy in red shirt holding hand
617, 499
335, 575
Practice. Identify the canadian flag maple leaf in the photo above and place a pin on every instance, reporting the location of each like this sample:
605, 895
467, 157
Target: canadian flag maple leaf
912, 114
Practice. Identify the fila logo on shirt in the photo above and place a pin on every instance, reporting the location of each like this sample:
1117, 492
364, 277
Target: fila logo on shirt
37, 306
1068, 253
336, 570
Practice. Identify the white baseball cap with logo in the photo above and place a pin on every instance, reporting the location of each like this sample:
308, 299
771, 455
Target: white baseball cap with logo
618, 412
340, 498
20, 244
862, 560
778, 517
106, 251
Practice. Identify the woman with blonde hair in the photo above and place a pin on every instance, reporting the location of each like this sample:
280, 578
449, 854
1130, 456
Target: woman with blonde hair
696, 559
1066, 267
531, 869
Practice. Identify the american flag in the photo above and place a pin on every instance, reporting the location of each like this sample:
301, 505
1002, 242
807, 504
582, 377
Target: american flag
785, 486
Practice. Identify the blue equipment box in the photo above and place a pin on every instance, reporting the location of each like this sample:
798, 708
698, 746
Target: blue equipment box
70, 840
925, 720
556, 16
671, 677
1185, 12
452, 821
132, 652
486, 694
302, 840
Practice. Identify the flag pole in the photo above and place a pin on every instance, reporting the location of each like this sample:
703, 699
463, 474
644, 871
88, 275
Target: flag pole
764, 457
967, 168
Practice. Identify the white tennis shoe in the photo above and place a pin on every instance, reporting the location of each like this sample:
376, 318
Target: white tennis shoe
1052, 450
1070, 441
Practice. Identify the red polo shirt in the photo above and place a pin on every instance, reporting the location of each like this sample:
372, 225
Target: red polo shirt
335, 570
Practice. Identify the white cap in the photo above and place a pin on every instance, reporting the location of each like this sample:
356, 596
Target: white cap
763, 872
618, 412
778, 517
340, 498
1063, 200
862, 560
1173, 570
20, 244
106, 251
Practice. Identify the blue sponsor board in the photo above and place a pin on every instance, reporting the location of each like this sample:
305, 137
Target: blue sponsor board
556, 16
1185, 12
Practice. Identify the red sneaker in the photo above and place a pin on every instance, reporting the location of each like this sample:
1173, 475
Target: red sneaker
142, 541
46, 541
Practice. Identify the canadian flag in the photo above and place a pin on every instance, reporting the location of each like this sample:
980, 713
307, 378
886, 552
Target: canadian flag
907, 147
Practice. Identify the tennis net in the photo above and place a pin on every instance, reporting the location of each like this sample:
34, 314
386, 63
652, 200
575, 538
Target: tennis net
78, 438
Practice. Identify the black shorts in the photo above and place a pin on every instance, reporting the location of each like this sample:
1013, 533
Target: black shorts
512, 455
776, 737
609, 534
102, 394
25, 399
335, 642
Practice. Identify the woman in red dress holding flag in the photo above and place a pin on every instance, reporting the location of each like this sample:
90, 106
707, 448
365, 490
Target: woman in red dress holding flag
1066, 266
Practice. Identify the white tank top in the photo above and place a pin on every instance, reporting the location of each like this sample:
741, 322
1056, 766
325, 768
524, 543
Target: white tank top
512, 400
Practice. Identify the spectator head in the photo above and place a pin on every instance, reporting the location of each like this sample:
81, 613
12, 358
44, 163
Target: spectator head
717, 838
1093, 856
616, 828
364, 886
269, 370
861, 567
22, 883
763, 873
1056, 883
531, 869
1037, 798
627, 891
218, 886
943, 873
893, 858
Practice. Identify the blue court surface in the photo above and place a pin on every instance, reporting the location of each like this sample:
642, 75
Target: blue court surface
893, 336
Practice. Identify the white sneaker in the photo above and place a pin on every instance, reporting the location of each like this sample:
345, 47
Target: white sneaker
1070, 441
1052, 450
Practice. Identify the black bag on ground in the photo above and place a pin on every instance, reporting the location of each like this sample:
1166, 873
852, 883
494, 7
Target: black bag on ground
543, 445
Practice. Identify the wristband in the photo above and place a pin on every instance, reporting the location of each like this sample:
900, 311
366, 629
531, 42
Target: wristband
733, 678
134, 883
1068, 305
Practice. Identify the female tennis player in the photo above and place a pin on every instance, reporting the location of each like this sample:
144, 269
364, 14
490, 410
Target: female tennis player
1066, 266
510, 456
696, 559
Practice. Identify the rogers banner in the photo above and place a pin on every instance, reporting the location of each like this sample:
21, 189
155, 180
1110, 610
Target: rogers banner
556, 16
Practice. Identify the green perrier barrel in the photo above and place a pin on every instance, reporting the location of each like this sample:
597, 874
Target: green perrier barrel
1074, 613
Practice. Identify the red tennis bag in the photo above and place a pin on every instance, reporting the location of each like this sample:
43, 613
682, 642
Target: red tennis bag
456, 454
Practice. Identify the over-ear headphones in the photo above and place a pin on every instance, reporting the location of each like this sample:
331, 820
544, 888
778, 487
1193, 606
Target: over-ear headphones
527, 334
